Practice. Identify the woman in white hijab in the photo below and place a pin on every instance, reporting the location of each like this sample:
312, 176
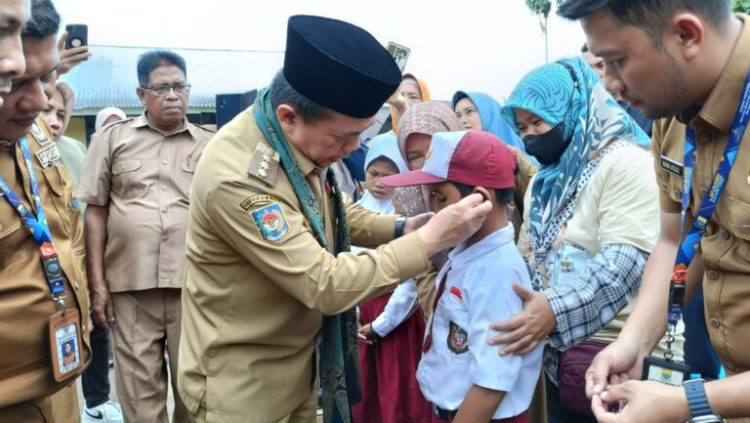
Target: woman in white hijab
392, 325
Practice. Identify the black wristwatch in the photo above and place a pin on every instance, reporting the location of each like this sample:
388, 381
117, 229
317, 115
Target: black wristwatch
698, 402
399, 228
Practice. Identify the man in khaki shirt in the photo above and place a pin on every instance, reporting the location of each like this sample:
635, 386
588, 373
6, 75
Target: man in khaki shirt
258, 279
687, 59
27, 383
136, 183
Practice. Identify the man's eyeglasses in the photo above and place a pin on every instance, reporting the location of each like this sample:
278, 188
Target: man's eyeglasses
162, 90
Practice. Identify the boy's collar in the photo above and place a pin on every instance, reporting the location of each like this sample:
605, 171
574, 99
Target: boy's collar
463, 253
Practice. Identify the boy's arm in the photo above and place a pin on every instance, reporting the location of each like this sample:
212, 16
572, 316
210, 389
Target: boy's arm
479, 405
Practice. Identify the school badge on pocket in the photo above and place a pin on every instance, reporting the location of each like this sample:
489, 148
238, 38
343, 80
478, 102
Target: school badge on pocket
271, 222
458, 339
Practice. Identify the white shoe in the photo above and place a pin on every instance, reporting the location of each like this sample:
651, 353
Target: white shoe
109, 412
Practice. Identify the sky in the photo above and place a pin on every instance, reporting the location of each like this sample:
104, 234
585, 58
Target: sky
466, 45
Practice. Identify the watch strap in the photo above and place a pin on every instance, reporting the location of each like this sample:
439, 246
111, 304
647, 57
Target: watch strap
696, 398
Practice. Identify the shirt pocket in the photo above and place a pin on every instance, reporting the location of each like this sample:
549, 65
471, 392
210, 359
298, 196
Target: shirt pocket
738, 219
60, 184
127, 181
675, 186
456, 324
11, 238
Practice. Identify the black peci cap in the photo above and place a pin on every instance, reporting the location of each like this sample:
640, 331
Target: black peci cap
339, 65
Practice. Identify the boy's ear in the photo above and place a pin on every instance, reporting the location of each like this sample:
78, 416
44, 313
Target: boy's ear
486, 194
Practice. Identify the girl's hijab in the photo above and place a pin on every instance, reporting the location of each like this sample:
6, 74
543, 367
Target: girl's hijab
424, 92
382, 146
568, 92
426, 118
104, 114
492, 120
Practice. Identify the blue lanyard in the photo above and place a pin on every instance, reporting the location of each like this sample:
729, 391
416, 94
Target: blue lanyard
37, 224
690, 244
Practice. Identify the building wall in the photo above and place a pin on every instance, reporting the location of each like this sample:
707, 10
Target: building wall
77, 128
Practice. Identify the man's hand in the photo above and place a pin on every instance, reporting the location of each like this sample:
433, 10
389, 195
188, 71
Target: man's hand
618, 362
72, 57
101, 304
367, 335
454, 224
416, 222
642, 401
527, 329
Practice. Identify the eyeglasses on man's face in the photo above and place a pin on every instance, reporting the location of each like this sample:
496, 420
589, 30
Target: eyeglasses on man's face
162, 90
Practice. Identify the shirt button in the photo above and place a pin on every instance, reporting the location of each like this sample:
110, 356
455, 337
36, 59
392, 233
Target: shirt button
164, 162
164, 210
75, 285
164, 237
706, 137
163, 187
715, 323
712, 275
725, 234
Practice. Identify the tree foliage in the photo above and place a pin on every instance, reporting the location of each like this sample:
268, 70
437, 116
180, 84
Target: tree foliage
739, 5
540, 8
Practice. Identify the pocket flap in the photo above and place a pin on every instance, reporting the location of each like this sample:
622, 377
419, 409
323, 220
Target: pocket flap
123, 166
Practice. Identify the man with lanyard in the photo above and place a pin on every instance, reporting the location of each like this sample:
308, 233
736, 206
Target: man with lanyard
42, 277
268, 276
688, 59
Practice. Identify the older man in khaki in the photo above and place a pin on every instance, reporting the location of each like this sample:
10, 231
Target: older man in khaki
136, 182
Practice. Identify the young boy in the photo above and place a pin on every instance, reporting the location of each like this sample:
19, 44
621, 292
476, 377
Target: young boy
464, 377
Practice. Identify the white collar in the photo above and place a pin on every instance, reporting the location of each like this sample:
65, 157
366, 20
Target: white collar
462, 254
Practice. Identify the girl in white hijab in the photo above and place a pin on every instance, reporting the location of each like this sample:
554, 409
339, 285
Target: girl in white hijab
382, 159
392, 325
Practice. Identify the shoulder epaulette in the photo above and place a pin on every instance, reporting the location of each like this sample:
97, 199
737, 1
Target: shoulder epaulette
264, 164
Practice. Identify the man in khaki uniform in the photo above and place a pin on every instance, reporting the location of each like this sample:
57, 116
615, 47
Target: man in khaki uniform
262, 275
689, 59
136, 183
27, 381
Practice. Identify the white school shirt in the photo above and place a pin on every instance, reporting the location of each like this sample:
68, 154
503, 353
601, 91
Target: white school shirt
478, 291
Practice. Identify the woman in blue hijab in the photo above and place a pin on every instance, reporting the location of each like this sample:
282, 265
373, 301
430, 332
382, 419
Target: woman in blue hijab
592, 218
481, 112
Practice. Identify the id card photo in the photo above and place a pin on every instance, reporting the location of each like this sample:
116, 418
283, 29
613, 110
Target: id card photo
68, 350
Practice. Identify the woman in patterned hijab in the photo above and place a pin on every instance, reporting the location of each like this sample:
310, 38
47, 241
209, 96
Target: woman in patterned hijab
592, 219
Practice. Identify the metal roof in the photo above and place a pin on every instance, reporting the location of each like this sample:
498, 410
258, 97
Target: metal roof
109, 77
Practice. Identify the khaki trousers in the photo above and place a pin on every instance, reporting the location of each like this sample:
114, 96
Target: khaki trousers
147, 324
65, 404
306, 413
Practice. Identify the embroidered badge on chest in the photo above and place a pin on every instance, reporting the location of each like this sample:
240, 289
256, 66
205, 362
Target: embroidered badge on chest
49, 155
38, 134
458, 339
271, 222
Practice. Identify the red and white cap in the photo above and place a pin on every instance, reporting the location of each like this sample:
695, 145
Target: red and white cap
474, 158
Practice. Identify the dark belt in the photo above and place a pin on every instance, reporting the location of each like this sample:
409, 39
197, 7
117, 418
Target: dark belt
449, 415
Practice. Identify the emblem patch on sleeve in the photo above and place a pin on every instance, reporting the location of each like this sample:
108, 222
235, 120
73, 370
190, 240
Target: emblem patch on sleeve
458, 339
271, 222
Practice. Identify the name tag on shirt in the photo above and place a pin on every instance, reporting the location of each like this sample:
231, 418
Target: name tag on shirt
674, 167
48, 155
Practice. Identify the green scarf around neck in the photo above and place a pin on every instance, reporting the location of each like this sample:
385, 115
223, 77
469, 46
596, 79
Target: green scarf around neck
339, 367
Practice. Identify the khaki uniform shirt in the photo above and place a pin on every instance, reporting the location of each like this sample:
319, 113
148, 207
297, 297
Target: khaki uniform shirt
27, 305
144, 178
726, 243
255, 295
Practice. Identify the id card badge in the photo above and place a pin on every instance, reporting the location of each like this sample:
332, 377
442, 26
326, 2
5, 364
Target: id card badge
65, 344
661, 370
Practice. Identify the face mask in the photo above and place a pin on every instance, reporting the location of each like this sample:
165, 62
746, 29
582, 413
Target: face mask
547, 148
